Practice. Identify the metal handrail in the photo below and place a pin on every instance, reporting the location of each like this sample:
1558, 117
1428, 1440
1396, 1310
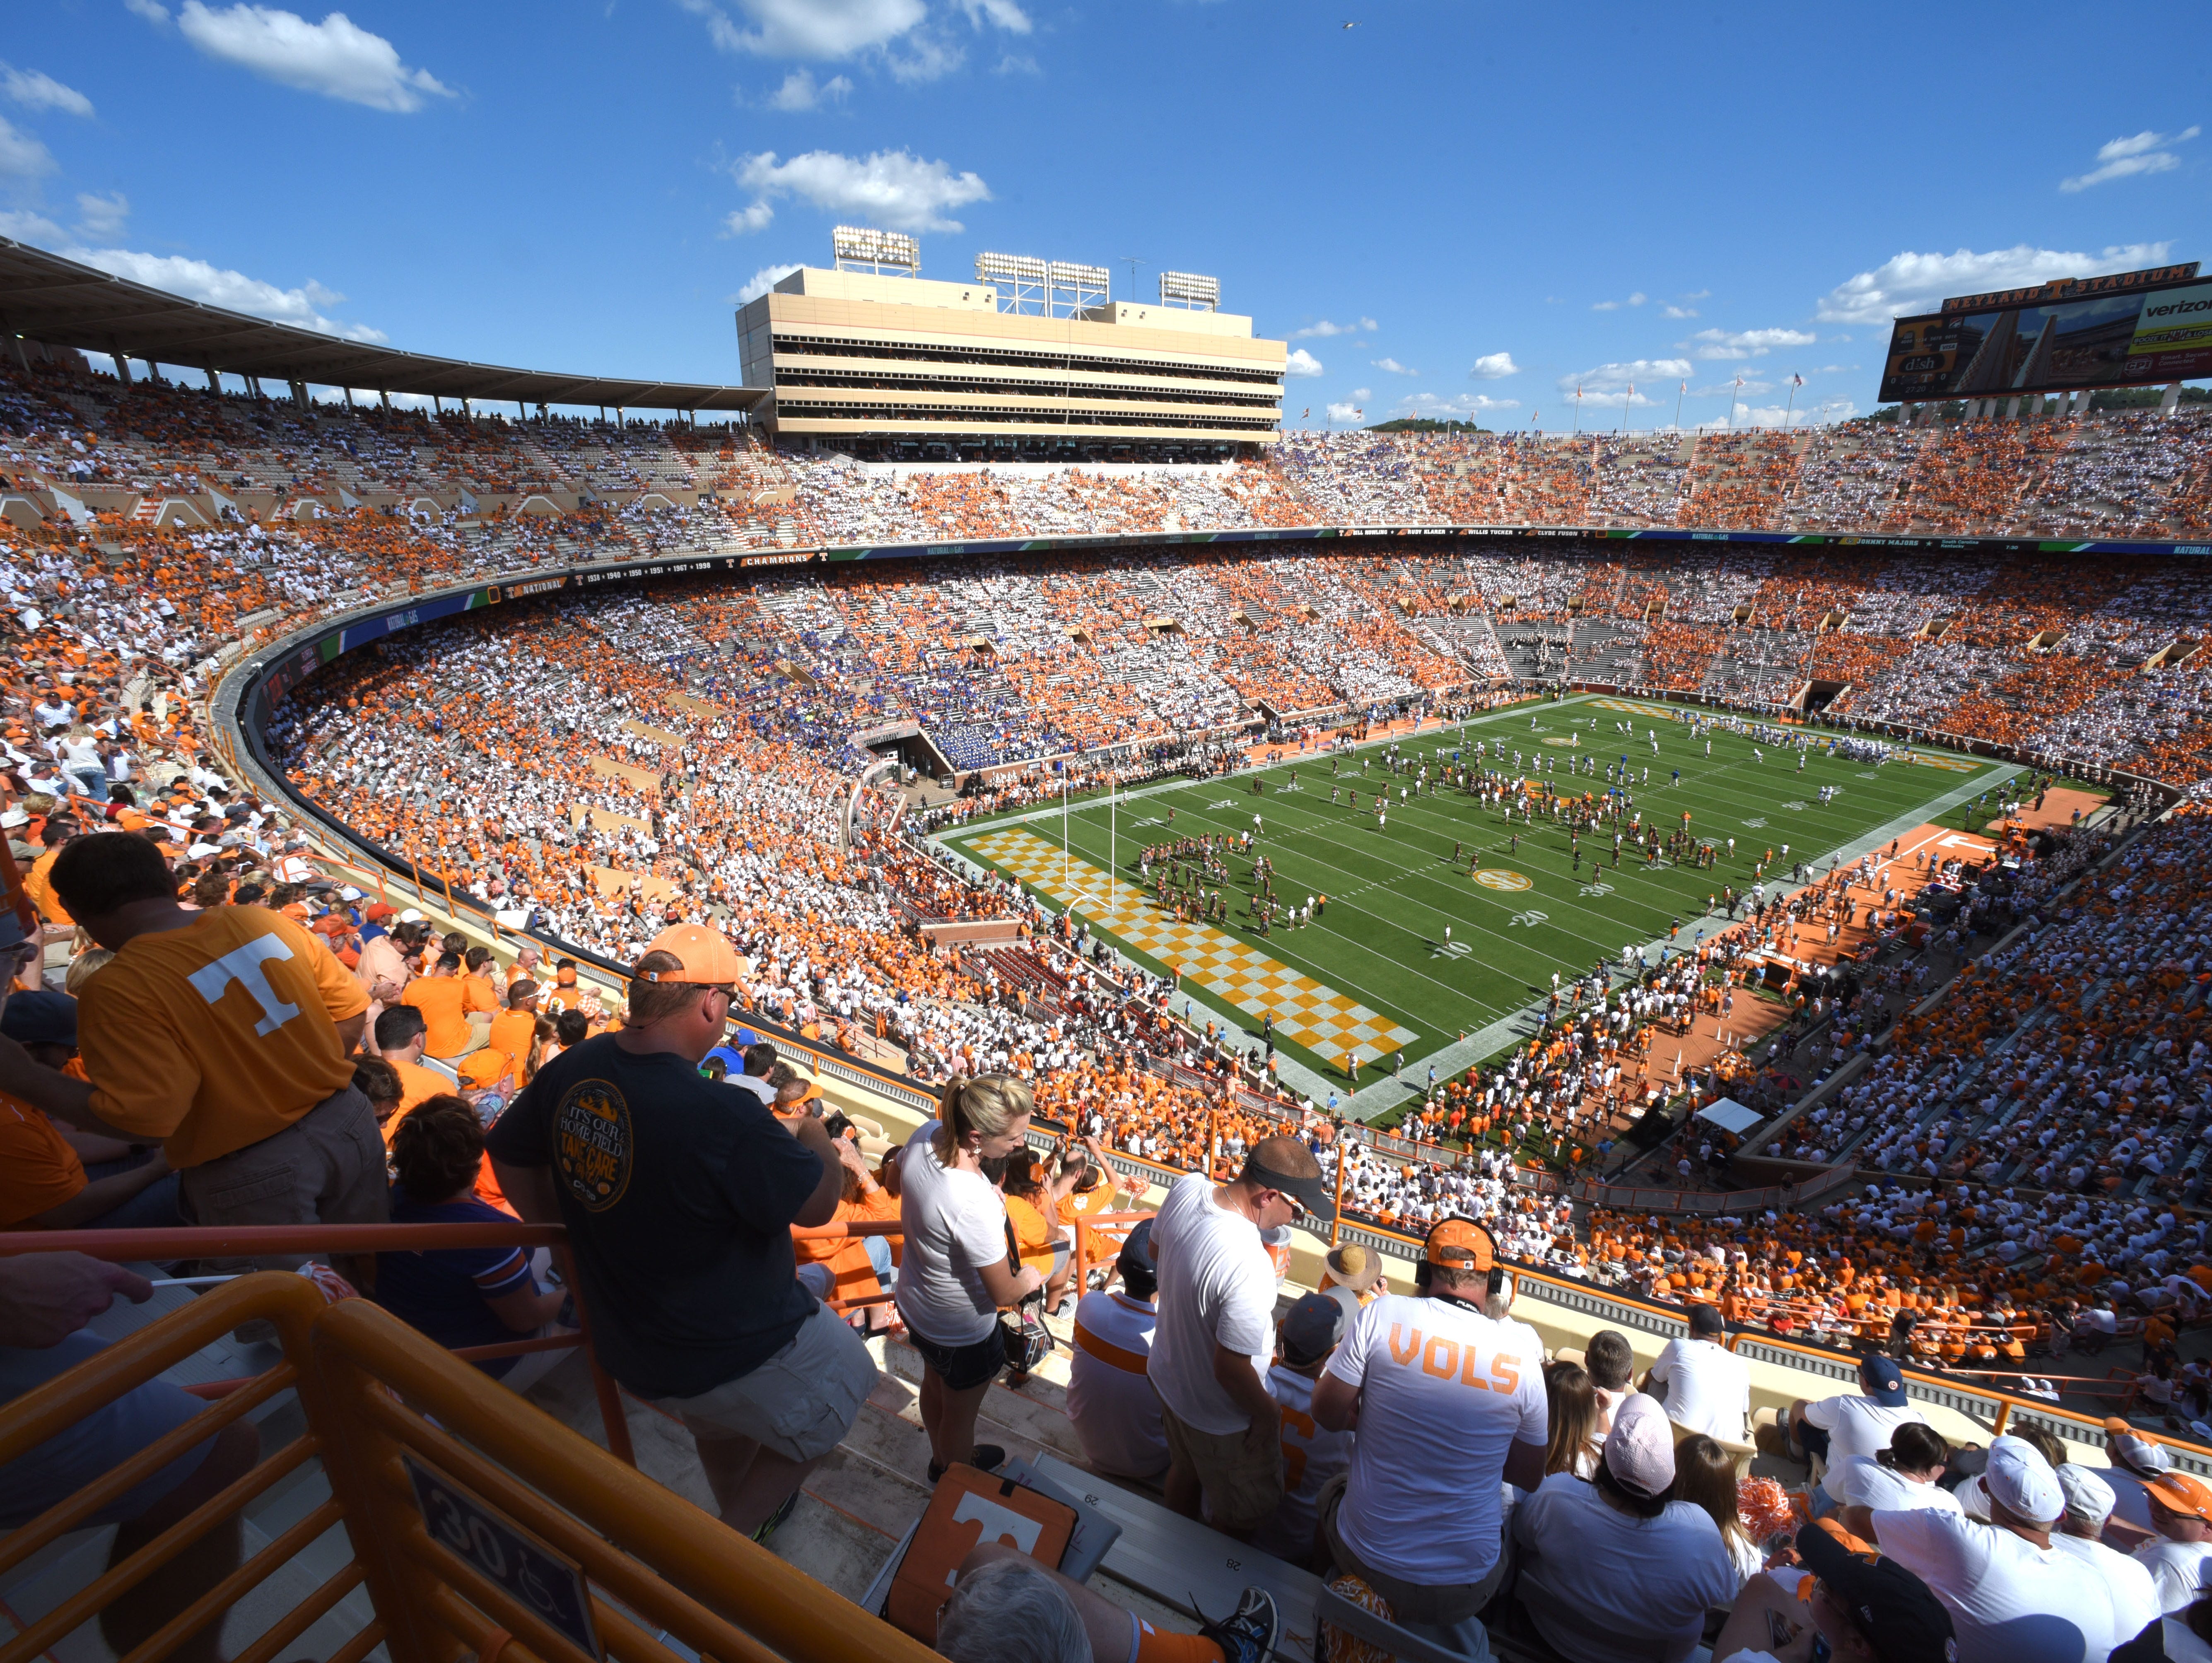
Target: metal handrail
260, 1240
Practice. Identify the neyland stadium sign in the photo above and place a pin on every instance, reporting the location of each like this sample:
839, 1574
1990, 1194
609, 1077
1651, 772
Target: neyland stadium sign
2071, 289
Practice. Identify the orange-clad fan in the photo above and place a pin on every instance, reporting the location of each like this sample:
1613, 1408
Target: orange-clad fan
223, 1034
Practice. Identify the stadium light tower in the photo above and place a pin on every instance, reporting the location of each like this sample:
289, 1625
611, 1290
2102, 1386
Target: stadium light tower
1189, 290
1021, 280
857, 248
1072, 288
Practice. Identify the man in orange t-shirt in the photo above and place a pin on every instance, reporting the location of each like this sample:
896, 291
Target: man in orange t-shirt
399, 1040
443, 998
226, 1034
514, 1031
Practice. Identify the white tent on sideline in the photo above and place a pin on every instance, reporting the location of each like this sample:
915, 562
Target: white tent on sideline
1730, 1115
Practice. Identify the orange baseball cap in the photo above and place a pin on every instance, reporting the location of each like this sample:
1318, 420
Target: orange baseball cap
2182, 1493
708, 958
485, 1067
1461, 1244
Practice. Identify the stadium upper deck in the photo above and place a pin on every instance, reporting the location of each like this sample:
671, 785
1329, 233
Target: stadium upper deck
904, 368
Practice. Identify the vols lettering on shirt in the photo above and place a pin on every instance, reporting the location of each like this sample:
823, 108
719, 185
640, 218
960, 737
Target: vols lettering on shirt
1446, 1358
218, 1034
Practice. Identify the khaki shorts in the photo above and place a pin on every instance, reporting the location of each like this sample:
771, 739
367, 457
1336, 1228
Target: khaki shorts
1242, 1488
800, 1402
326, 1168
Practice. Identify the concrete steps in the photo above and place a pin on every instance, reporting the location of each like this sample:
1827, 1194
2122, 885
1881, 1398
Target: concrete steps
855, 1509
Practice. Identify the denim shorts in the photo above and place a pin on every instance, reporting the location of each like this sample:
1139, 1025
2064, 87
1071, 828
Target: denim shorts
963, 1367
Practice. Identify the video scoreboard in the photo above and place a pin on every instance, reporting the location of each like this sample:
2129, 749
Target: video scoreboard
2129, 329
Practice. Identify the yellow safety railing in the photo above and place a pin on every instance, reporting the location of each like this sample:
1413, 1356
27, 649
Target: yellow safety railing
478, 1524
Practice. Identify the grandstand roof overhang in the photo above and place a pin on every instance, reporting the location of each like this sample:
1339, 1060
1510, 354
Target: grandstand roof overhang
44, 297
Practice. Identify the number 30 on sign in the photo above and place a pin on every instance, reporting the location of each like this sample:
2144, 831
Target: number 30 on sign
494, 1547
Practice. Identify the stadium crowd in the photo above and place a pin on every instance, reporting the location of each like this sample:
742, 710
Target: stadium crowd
666, 778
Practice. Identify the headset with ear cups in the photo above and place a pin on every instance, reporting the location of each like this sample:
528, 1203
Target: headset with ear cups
1460, 1243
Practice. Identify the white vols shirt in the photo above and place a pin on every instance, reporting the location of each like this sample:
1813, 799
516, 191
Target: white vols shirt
1708, 1388
1312, 1456
1216, 1286
1109, 1393
1443, 1391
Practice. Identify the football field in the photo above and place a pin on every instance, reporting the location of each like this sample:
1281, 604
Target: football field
1414, 953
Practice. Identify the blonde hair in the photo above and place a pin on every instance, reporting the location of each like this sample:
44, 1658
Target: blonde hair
83, 967
984, 1107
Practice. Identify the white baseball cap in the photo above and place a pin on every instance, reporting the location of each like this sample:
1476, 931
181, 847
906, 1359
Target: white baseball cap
2089, 1497
2021, 1481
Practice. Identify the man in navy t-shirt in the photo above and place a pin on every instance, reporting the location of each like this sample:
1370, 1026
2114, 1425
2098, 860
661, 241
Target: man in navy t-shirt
678, 1192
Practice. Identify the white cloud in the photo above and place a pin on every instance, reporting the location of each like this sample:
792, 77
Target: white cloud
753, 216
1607, 385
1748, 342
828, 31
762, 281
1604, 305
1730, 389
1783, 415
1912, 282
1357, 326
2144, 153
1004, 13
1017, 64
819, 29
1393, 367
1361, 395
21, 156
335, 57
1345, 413
1466, 405
152, 10
1678, 312
1637, 299
893, 189
233, 291
101, 216
26, 227
34, 89
1301, 362
800, 92
1494, 366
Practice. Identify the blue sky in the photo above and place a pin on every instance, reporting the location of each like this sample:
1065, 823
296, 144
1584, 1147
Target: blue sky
1453, 209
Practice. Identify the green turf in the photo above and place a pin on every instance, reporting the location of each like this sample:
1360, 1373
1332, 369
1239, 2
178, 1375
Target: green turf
1392, 892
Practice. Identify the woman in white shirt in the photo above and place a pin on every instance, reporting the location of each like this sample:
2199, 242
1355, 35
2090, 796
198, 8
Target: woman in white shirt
1892, 1480
956, 1273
